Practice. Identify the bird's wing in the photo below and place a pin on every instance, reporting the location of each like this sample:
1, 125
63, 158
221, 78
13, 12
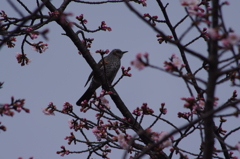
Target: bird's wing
89, 78
100, 64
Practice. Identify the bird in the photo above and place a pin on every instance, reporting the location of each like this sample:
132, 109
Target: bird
110, 65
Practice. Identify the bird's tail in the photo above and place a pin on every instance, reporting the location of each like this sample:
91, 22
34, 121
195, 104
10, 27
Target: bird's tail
86, 96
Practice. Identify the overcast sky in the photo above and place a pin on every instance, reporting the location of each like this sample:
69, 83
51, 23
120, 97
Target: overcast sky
59, 74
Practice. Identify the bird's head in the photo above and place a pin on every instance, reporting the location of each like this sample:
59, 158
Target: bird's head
118, 52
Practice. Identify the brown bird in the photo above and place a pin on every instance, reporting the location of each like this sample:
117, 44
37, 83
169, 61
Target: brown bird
112, 63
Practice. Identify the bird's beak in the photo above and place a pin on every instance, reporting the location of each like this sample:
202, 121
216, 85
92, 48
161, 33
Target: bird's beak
125, 52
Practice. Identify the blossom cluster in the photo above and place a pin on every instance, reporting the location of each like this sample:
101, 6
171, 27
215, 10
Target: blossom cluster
87, 42
175, 64
50, 109
125, 72
73, 124
10, 43
144, 109
32, 33
104, 27
81, 19
138, 62
162, 39
8, 109
102, 51
40, 47
15, 105
161, 136
71, 138
54, 14
151, 19
22, 59
100, 132
143, 2
63, 151
228, 39
67, 108
4, 15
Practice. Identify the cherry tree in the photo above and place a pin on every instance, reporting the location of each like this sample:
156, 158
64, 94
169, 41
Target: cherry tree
203, 116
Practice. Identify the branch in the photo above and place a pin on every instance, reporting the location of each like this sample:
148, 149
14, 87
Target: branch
175, 42
18, 29
211, 86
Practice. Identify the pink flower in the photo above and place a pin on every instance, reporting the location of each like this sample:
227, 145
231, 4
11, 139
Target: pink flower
201, 104
146, 15
189, 2
159, 136
123, 140
70, 123
34, 35
67, 107
96, 133
39, 47
176, 61
47, 111
54, 14
22, 58
238, 146
142, 2
174, 65
105, 27
10, 43
137, 111
196, 10
99, 132
104, 102
213, 33
137, 63
232, 39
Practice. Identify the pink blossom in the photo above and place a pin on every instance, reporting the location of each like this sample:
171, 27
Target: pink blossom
67, 107
137, 111
47, 111
159, 136
189, 2
184, 115
213, 33
19, 108
96, 133
102, 51
196, 10
34, 35
238, 146
144, 4
10, 43
39, 47
162, 109
201, 104
137, 63
226, 3
146, 15
176, 61
70, 123
54, 14
174, 64
232, 39
123, 140
104, 102
99, 132
105, 27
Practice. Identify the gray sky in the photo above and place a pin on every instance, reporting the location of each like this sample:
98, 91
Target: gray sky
59, 74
